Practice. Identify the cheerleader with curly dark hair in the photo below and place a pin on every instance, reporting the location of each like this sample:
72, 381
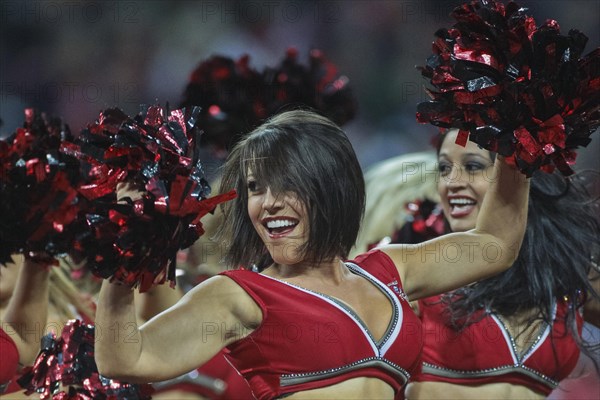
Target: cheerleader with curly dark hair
517, 334
526, 92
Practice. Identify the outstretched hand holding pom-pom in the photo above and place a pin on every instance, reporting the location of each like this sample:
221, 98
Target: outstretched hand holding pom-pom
152, 161
523, 91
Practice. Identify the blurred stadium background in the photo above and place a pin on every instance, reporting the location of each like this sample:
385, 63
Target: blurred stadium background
75, 58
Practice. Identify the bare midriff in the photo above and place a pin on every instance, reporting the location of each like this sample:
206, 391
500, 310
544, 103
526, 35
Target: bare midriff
351, 389
443, 390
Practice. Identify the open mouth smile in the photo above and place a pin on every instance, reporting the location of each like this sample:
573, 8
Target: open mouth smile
279, 226
461, 206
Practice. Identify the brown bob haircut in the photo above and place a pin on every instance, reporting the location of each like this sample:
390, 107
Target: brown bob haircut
307, 154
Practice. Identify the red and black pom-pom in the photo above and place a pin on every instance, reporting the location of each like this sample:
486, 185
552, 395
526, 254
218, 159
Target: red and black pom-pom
424, 221
235, 98
514, 88
39, 202
65, 369
134, 237
318, 85
229, 94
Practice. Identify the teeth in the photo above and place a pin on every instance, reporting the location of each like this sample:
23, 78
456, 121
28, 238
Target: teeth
280, 223
460, 202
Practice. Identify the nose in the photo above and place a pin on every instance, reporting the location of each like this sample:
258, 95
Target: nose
272, 202
456, 179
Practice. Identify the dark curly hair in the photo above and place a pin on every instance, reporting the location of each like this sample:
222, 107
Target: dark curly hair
559, 249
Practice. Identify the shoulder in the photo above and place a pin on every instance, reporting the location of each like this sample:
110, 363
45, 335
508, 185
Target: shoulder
374, 258
223, 284
379, 264
237, 273
223, 292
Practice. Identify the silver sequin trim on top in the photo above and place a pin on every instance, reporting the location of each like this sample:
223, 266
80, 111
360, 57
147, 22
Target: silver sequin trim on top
543, 332
395, 306
519, 367
502, 370
295, 379
513, 343
380, 285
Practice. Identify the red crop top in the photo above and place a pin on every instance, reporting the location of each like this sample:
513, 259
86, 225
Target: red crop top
10, 360
308, 340
485, 352
215, 380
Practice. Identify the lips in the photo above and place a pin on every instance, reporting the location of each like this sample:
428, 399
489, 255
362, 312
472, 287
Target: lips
279, 226
461, 206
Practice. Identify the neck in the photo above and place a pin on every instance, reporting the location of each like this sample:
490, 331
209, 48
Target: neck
334, 270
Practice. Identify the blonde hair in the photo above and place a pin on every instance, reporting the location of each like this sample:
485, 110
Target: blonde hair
390, 185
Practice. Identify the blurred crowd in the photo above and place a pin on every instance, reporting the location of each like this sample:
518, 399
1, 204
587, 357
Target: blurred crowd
75, 58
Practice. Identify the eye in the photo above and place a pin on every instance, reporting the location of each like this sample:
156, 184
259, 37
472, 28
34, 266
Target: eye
444, 168
473, 166
253, 186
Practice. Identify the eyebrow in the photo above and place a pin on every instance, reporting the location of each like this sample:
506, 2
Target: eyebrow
488, 158
464, 155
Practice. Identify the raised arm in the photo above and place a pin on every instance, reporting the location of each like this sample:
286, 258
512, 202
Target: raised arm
156, 300
457, 259
27, 311
209, 317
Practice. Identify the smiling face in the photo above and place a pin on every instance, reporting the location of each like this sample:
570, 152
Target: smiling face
302, 168
464, 178
280, 220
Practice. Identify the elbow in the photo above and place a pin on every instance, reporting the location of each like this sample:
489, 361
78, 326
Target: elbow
502, 248
513, 248
108, 369
28, 354
113, 369
27, 350
507, 255
498, 254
